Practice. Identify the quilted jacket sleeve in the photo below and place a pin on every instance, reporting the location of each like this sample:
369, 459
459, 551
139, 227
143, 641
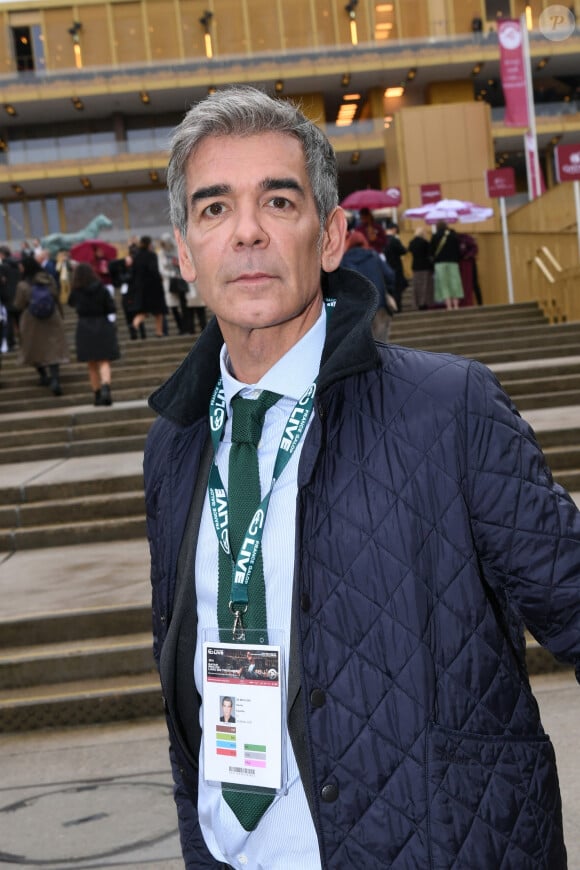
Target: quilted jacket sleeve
526, 526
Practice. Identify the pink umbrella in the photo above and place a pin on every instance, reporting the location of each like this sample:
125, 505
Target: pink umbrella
92, 249
368, 198
451, 211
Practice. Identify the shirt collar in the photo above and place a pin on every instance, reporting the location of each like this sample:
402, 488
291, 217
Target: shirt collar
290, 376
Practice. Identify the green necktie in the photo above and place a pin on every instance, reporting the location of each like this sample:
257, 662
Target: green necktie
243, 500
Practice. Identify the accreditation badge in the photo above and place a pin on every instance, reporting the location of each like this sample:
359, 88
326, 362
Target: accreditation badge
243, 709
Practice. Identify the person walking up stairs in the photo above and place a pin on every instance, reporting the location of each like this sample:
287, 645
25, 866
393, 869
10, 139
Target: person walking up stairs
42, 334
96, 333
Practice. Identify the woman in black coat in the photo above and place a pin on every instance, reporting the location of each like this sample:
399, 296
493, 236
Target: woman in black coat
96, 335
148, 286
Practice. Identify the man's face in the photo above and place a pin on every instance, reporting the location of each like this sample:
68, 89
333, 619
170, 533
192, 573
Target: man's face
227, 709
253, 238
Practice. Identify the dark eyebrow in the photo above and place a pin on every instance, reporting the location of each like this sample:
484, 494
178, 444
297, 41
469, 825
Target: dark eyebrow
213, 190
281, 184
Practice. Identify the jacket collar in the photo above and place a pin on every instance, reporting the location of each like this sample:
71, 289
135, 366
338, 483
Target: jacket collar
349, 348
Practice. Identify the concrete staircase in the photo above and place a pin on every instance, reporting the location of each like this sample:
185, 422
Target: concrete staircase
71, 484
77, 668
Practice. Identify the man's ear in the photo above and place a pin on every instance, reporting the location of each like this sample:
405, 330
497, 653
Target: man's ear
333, 240
186, 265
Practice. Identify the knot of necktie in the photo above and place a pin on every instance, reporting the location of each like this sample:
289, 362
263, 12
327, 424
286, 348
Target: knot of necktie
248, 417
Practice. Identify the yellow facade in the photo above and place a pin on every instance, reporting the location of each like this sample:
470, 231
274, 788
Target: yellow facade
106, 82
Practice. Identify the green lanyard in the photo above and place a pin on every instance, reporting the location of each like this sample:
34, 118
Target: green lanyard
218, 499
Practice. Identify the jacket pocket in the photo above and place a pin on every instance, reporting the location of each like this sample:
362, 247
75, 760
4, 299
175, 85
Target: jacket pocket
493, 802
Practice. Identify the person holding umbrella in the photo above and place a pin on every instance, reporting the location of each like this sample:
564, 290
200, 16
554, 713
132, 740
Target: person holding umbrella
371, 230
446, 255
97, 254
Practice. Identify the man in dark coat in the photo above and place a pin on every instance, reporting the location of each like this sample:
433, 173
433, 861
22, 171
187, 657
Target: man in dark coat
412, 533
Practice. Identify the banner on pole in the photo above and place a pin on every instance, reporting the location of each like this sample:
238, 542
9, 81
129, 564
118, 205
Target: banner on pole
430, 193
500, 182
567, 162
512, 66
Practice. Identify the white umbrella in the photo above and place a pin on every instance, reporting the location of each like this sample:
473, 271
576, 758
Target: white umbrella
451, 211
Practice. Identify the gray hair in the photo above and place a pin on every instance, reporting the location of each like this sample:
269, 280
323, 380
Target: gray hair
247, 111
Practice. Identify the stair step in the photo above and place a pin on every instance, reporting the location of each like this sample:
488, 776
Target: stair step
98, 531
72, 510
73, 625
72, 434
522, 386
126, 444
475, 333
558, 437
62, 705
546, 400
569, 478
566, 457
35, 452
70, 661
102, 485
65, 418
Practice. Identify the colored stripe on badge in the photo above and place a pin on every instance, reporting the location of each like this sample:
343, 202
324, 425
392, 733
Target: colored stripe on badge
254, 755
225, 740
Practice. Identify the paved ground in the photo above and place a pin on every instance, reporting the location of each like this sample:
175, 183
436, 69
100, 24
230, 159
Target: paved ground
101, 797
88, 798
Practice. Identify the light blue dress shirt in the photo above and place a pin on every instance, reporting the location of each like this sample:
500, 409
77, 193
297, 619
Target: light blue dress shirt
285, 838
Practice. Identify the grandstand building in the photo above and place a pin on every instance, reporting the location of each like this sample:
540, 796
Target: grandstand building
408, 91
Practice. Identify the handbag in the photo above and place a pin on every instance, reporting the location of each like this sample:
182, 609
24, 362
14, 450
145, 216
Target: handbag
178, 287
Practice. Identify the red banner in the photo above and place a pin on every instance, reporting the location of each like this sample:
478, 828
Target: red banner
430, 193
567, 162
512, 68
500, 182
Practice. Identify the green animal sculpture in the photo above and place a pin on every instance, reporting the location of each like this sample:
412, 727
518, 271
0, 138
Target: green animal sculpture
56, 242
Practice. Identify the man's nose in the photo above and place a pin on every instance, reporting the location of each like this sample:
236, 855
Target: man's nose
249, 230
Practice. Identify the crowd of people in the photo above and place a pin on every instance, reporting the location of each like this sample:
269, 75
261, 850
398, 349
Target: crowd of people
443, 267
146, 282
36, 289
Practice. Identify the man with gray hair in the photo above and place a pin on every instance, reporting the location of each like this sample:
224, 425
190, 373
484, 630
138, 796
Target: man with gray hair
369, 526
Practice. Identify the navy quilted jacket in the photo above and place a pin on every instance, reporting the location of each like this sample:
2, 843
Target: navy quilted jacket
429, 532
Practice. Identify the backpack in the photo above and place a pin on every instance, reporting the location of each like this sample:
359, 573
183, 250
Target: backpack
42, 302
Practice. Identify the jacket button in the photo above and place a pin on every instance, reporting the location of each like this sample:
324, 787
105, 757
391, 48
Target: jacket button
329, 793
305, 602
317, 698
